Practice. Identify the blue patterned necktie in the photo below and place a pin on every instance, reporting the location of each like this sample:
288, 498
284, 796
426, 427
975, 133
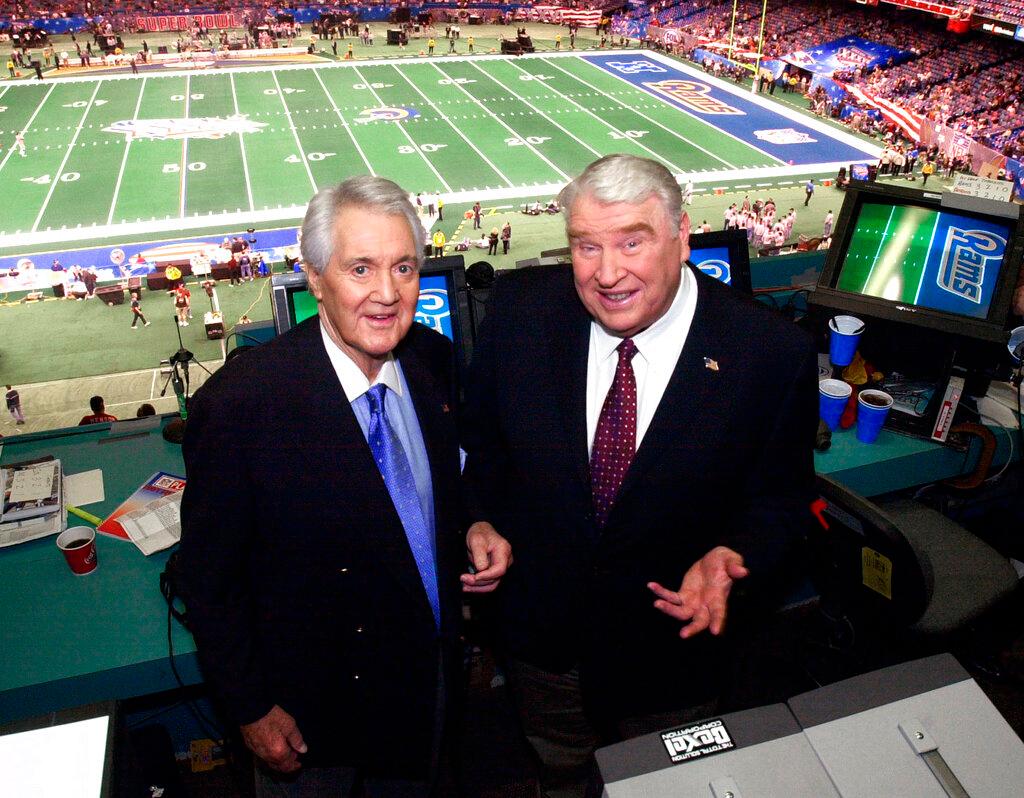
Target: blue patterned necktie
394, 467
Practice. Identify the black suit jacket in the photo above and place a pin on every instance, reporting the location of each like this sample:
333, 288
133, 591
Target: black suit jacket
298, 574
726, 460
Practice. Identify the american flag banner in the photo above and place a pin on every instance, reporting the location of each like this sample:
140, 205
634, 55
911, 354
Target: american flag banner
907, 121
559, 14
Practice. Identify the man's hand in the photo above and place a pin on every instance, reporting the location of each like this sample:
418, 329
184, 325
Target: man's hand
703, 596
276, 740
490, 555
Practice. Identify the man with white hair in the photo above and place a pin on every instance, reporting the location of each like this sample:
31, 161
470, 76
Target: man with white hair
320, 547
641, 435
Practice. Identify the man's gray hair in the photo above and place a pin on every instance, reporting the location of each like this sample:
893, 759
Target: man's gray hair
625, 178
368, 193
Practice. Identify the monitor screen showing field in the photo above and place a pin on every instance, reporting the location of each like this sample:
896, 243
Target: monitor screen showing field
926, 257
432, 309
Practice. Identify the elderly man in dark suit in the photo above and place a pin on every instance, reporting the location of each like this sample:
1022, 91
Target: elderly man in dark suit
319, 541
641, 435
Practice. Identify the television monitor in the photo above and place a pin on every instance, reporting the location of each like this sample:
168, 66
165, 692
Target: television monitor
940, 261
860, 171
443, 303
70, 753
722, 254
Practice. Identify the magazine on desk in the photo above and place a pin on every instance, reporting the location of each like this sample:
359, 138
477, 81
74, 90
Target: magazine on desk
151, 517
32, 504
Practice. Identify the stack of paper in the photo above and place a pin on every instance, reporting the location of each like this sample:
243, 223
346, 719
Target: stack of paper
32, 503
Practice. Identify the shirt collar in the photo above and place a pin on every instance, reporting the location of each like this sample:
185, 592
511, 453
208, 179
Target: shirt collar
353, 381
650, 339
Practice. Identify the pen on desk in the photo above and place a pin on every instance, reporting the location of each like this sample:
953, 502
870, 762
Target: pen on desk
92, 519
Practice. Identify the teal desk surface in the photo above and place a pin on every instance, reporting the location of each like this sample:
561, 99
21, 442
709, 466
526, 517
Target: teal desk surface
69, 640
896, 462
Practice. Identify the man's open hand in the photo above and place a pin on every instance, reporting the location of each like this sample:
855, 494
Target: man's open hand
703, 597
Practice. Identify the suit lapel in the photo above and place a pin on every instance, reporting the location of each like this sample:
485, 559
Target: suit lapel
354, 466
693, 386
568, 366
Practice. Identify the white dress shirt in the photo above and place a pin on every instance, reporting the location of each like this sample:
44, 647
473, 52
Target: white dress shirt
658, 349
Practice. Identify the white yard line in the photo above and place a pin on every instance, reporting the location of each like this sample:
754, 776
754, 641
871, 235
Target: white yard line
535, 109
67, 155
451, 124
641, 114
184, 153
405, 133
124, 160
241, 146
28, 124
295, 132
501, 122
655, 155
344, 124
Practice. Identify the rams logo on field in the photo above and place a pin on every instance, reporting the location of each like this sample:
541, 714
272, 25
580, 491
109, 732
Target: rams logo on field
719, 269
635, 67
693, 95
203, 127
432, 309
965, 256
785, 135
386, 114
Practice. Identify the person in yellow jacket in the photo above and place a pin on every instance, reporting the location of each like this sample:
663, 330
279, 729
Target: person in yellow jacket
439, 241
926, 171
430, 45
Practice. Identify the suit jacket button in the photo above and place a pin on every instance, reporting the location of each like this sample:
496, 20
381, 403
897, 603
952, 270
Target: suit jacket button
355, 676
343, 570
359, 628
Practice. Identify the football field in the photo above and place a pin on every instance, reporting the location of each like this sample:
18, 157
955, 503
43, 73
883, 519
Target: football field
176, 150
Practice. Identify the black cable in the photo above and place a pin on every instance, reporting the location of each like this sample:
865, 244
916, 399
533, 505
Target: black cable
204, 722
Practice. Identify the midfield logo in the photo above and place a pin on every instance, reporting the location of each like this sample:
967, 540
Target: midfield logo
694, 95
785, 135
386, 114
693, 742
966, 254
203, 127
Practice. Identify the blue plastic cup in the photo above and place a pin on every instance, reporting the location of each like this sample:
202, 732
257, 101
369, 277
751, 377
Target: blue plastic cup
844, 333
872, 410
832, 398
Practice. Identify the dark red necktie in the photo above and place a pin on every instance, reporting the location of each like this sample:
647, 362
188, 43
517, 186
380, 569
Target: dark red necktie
615, 439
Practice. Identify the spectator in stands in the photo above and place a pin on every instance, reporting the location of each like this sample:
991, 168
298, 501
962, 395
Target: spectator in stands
99, 413
145, 410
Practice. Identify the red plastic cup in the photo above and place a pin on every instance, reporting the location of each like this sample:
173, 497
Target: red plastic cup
78, 545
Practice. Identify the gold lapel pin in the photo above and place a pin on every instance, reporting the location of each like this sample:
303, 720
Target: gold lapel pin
710, 364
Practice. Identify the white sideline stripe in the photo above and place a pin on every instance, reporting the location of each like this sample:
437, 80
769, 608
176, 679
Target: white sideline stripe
401, 127
501, 122
64, 162
344, 124
451, 124
296, 212
622, 133
640, 113
124, 160
241, 145
295, 131
534, 108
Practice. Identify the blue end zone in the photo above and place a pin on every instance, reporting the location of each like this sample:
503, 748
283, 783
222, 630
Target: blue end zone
785, 139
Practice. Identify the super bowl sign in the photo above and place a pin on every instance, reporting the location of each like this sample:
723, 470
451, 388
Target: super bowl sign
433, 310
202, 127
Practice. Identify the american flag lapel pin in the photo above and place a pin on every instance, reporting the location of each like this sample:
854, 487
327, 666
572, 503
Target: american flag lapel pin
445, 409
710, 364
